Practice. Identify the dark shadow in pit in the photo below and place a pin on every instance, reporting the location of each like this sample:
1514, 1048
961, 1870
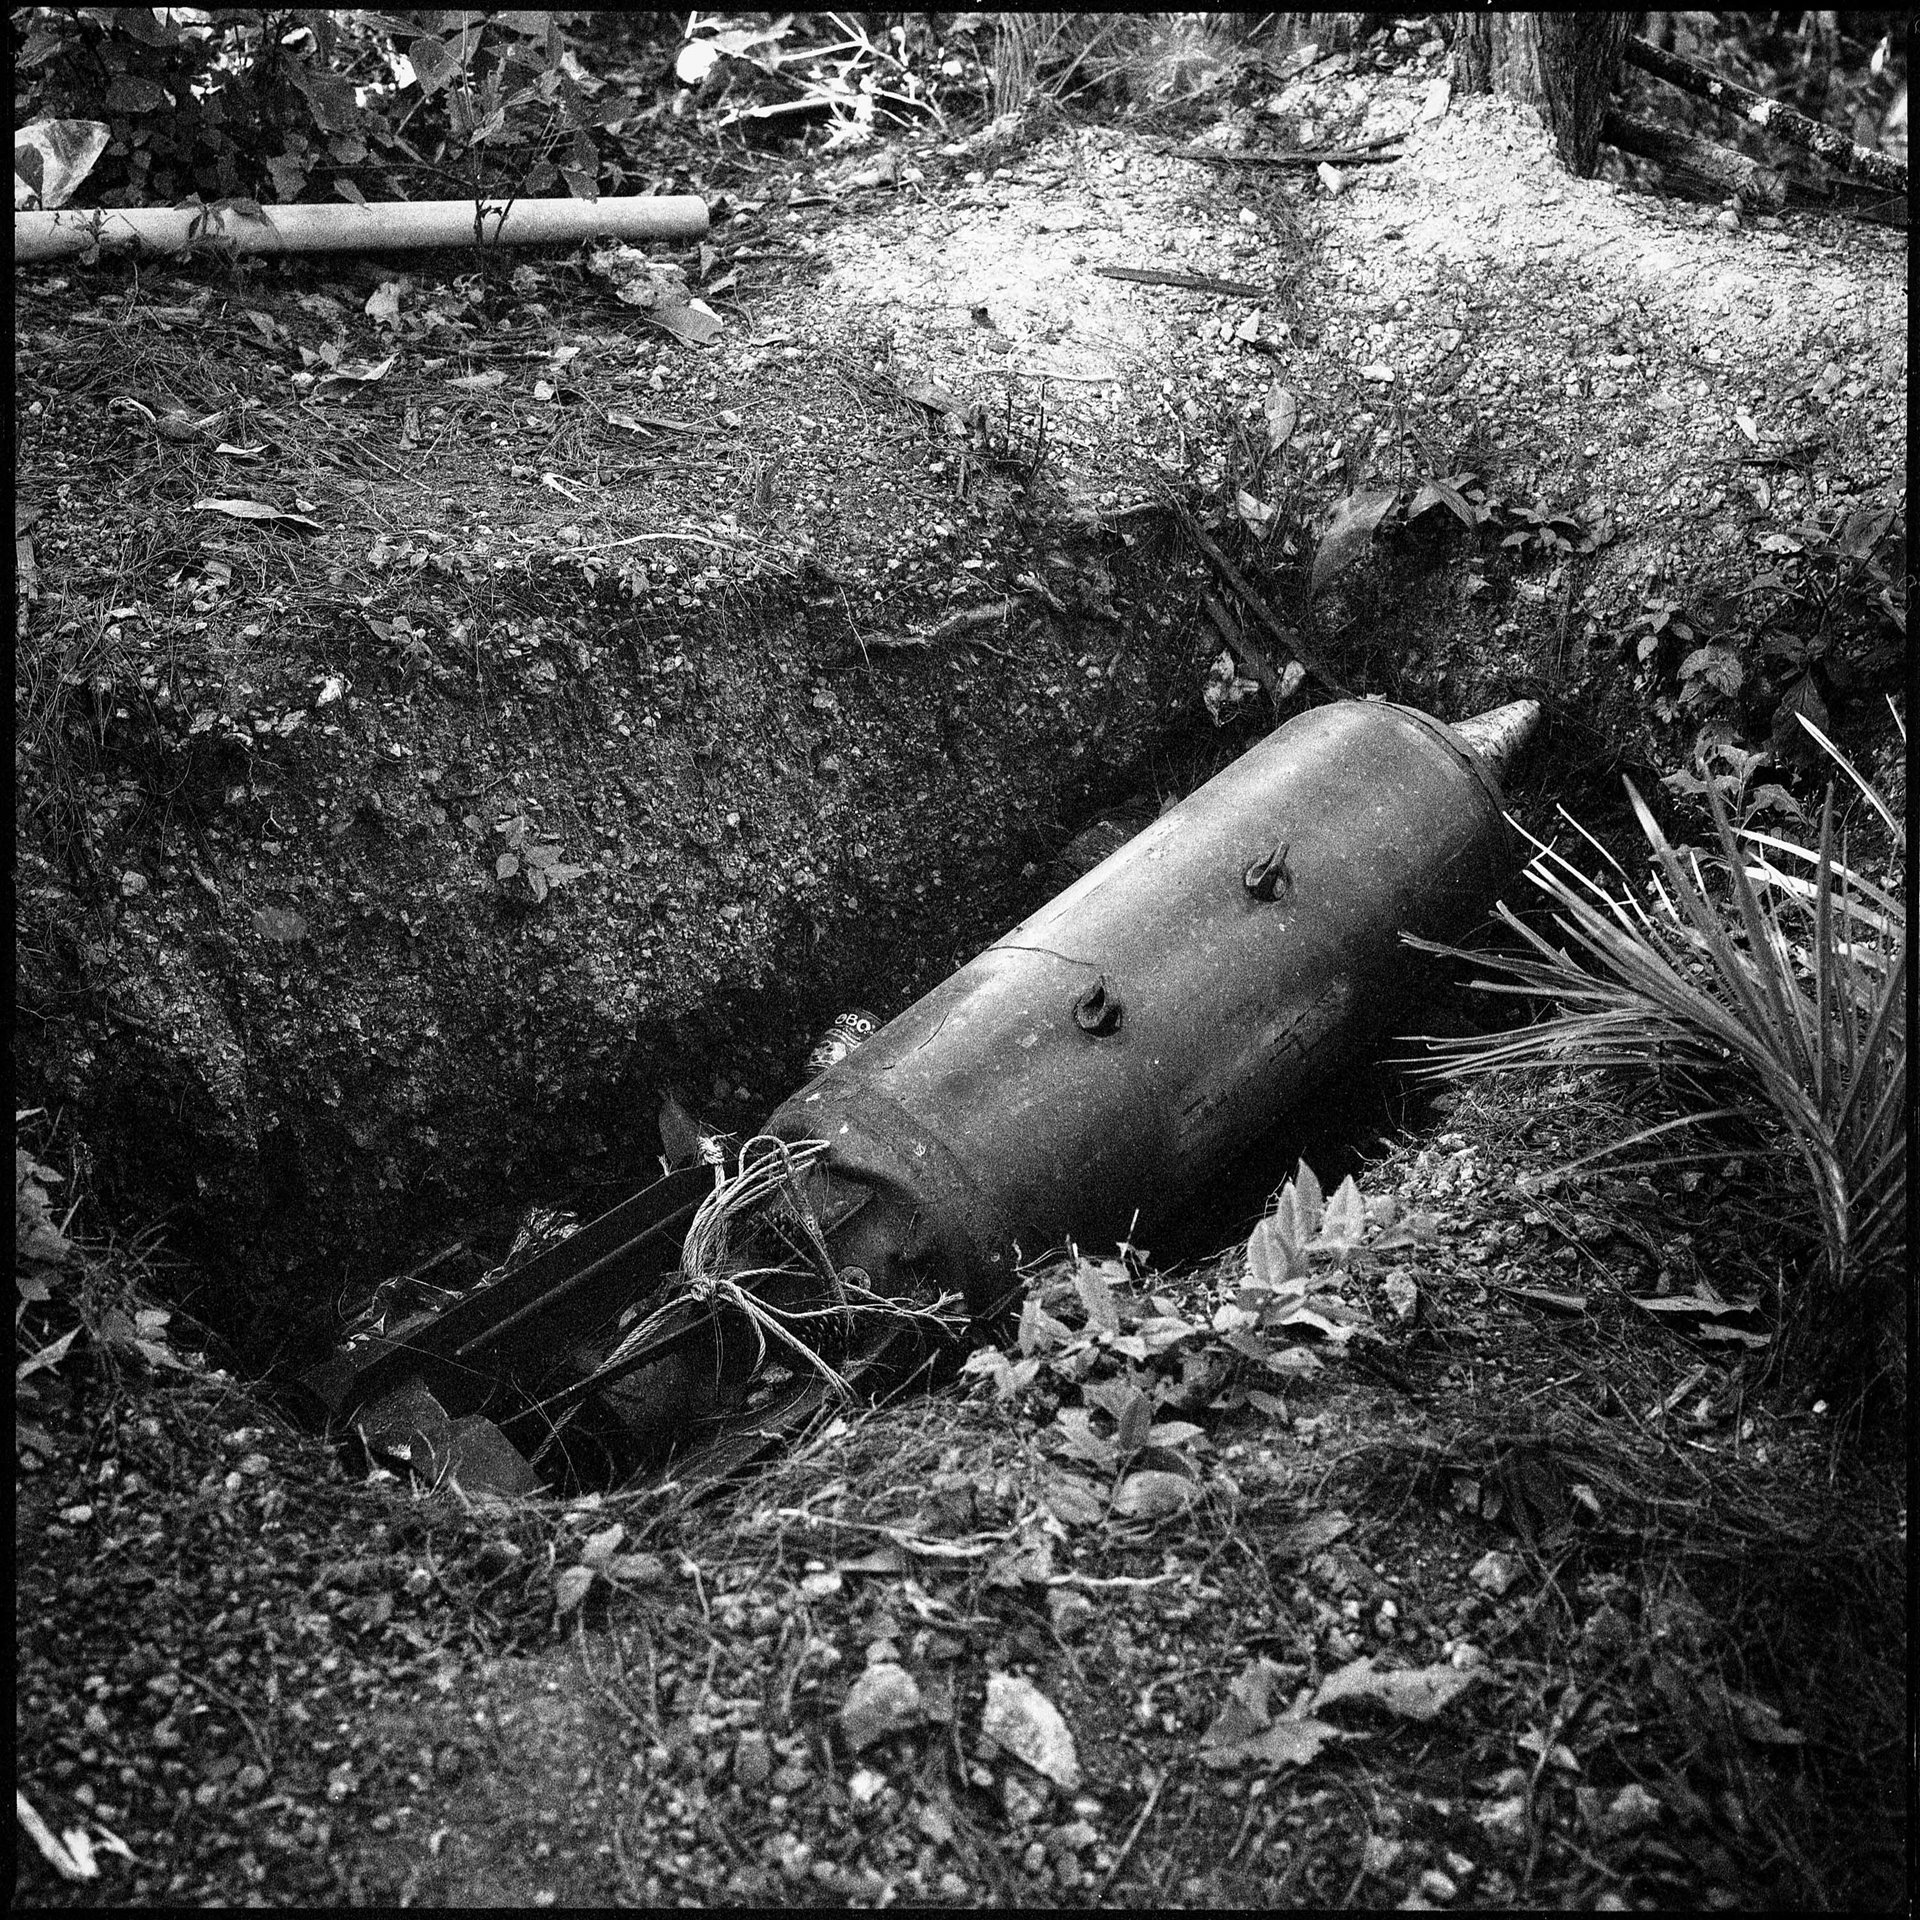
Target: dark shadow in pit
1351, 1125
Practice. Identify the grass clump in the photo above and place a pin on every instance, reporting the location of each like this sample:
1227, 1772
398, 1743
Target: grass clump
1762, 994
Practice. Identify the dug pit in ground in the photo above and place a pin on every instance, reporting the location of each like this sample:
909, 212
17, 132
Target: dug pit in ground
596, 728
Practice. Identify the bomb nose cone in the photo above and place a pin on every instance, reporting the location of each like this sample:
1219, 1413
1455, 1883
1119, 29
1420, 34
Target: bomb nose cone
1499, 734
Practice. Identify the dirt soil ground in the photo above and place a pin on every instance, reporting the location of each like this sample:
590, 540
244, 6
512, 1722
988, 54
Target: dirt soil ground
1652, 1626
593, 730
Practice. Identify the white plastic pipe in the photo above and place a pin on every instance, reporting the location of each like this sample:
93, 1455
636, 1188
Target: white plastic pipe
383, 226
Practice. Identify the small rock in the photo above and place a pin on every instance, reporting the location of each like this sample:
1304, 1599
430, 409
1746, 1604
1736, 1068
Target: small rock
132, 884
1494, 1573
1024, 1805
752, 1759
1632, 1808
1070, 1612
498, 1557
1504, 1821
1332, 179
884, 1699
1607, 1634
1437, 1885
1379, 1855
637, 1569
1028, 1725
866, 1786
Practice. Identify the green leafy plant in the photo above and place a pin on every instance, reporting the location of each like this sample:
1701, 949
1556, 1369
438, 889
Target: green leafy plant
1132, 1354
531, 859
246, 105
1360, 517
1768, 1001
1733, 787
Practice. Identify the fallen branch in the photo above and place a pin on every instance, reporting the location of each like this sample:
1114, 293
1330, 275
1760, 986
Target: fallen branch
1704, 167
1287, 637
1253, 662
1126, 1847
1194, 282
963, 627
1769, 116
1702, 164
1368, 154
969, 620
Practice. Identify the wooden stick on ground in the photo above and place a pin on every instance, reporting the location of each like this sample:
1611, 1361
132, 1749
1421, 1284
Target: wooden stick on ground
1195, 282
1769, 116
1287, 637
1253, 662
1369, 155
1704, 164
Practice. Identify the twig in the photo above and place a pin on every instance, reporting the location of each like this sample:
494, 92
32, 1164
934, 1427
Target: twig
1286, 636
1718, 170
1127, 1846
1097, 1581
1194, 282
1828, 143
1366, 153
260, 1746
956, 626
660, 421
1256, 663
634, 539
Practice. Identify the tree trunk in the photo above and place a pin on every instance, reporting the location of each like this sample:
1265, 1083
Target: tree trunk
1566, 65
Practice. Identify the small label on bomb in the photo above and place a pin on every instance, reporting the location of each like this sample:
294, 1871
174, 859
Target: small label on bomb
848, 1032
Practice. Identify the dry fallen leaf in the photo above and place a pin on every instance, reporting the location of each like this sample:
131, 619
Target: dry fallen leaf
71, 1862
637, 1569
1348, 535
1289, 1742
360, 373
1417, 1693
1283, 415
255, 510
600, 1547
1151, 1495
1245, 1731
692, 321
